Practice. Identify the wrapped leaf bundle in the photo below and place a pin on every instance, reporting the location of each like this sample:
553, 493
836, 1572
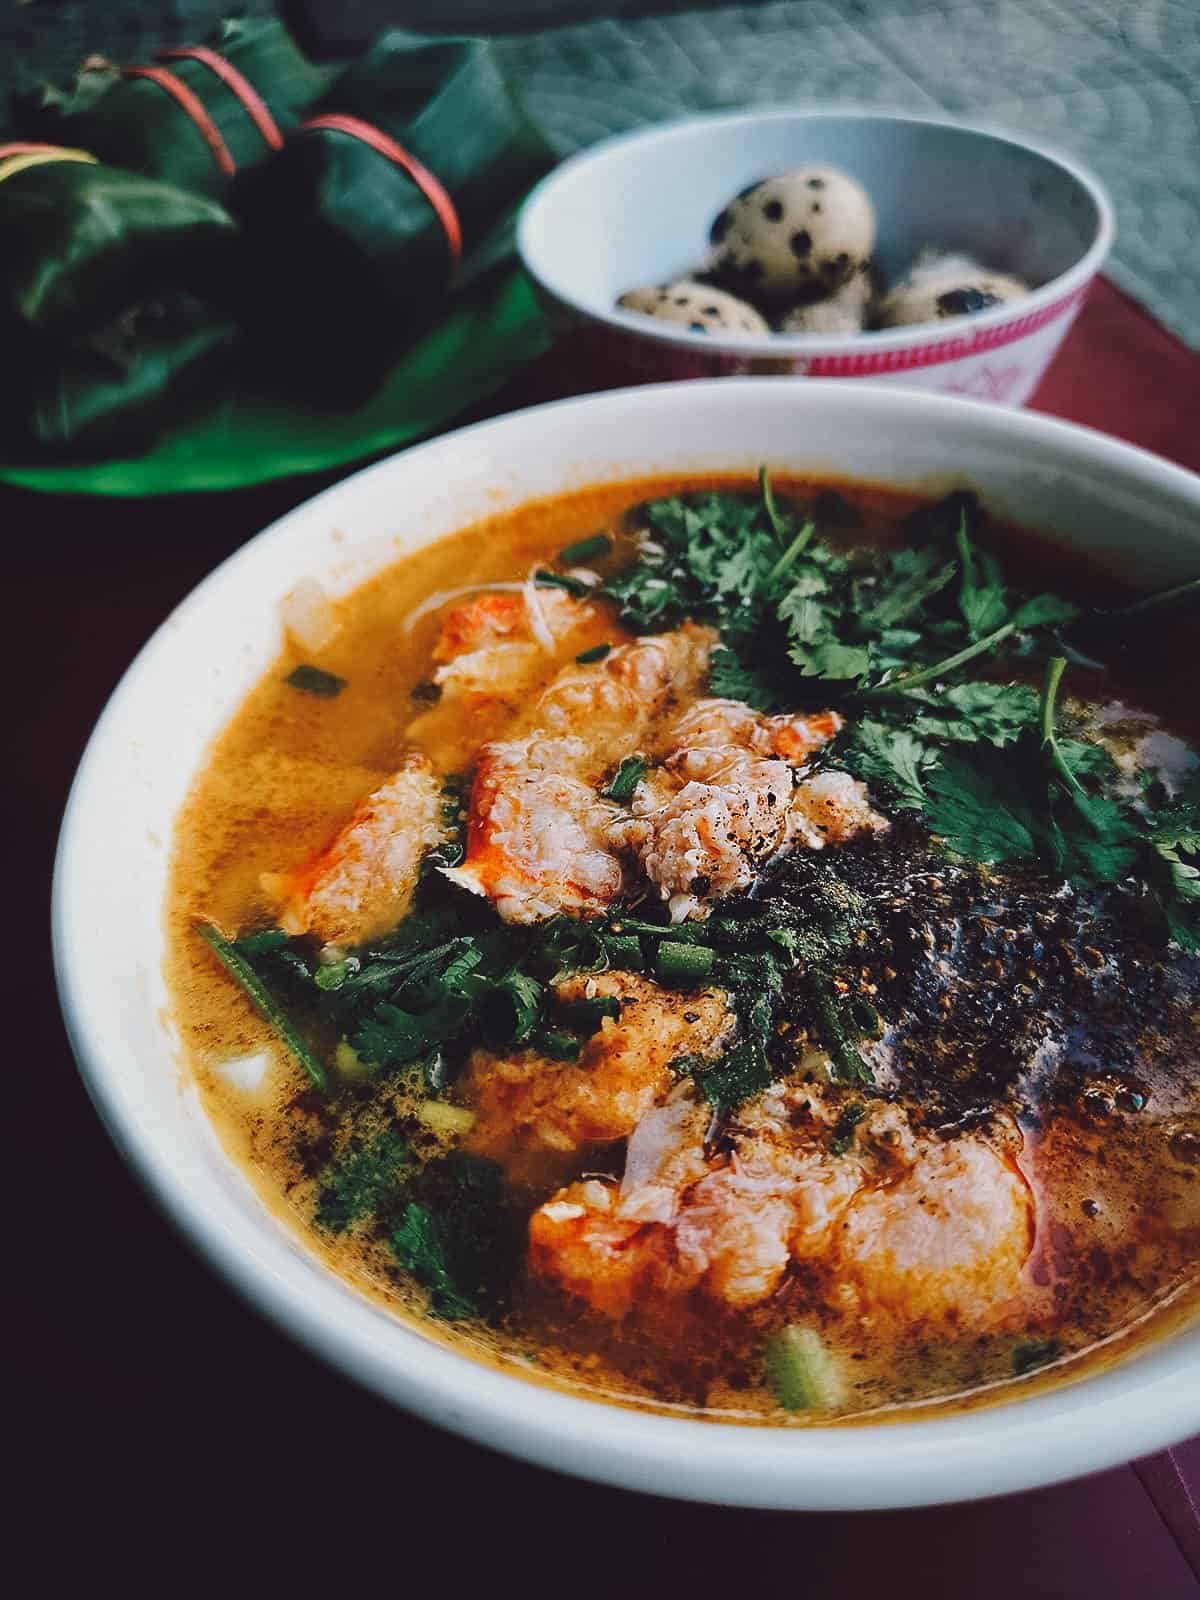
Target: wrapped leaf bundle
116, 390
105, 339
399, 188
81, 242
196, 116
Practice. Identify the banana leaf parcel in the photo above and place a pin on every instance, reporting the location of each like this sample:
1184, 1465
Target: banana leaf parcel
106, 333
399, 189
194, 116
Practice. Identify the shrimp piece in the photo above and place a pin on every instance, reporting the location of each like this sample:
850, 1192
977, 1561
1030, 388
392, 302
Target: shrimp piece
833, 807
903, 1224
533, 1114
492, 653
504, 618
715, 723
614, 703
947, 1241
726, 801
538, 835
362, 883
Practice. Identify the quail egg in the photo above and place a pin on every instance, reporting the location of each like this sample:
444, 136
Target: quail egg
844, 311
697, 306
798, 234
940, 287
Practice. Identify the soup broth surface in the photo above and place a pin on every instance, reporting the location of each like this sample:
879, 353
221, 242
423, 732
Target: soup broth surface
944, 1145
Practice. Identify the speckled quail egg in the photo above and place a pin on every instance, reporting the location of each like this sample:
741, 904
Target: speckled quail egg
698, 306
939, 287
844, 311
794, 235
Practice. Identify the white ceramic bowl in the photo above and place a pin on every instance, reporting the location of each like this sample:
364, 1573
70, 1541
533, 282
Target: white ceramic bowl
636, 210
1113, 503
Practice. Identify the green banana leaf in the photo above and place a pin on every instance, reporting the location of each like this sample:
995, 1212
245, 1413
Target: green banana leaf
118, 389
134, 123
254, 434
81, 242
345, 255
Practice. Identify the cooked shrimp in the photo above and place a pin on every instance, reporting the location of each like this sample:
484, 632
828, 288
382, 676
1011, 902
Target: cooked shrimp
494, 652
538, 837
498, 617
532, 1112
727, 800
362, 883
950, 1249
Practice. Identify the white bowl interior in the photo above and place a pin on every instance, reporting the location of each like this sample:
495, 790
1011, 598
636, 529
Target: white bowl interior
637, 210
1116, 505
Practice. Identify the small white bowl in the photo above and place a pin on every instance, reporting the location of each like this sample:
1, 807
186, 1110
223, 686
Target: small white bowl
635, 210
1113, 504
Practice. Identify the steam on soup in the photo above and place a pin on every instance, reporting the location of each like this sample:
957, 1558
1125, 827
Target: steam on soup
717, 947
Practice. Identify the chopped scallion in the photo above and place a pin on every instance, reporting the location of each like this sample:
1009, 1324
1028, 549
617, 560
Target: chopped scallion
313, 680
596, 653
591, 549
252, 985
684, 963
801, 1373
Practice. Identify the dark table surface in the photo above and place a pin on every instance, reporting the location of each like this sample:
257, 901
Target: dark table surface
158, 1416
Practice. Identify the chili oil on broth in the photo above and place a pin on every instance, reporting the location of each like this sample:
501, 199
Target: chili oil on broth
282, 779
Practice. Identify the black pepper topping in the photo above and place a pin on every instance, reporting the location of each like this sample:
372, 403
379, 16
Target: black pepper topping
773, 211
801, 242
960, 302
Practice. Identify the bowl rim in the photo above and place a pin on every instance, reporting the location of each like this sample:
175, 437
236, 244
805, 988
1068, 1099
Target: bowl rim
1039, 305
1138, 1406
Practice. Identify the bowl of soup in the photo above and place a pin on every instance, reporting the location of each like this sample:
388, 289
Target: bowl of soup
912, 251
658, 933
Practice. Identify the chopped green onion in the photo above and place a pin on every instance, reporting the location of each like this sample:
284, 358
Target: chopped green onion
596, 653
684, 963
626, 779
1034, 1353
312, 680
801, 1373
624, 952
587, 1015
252, 985
558, 1046
585, 550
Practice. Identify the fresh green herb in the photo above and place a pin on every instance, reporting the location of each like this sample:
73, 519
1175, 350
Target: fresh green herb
778, 526
626, 779
513, 1007
557, 1046
458, 1235
739, 1075
893, 757
982, 598
312, 680
596, 653
358, 1182
843, 1132
968, 712
453, 849
801, 1373
422, 1246
239, 968
584, 550
1034, 1353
